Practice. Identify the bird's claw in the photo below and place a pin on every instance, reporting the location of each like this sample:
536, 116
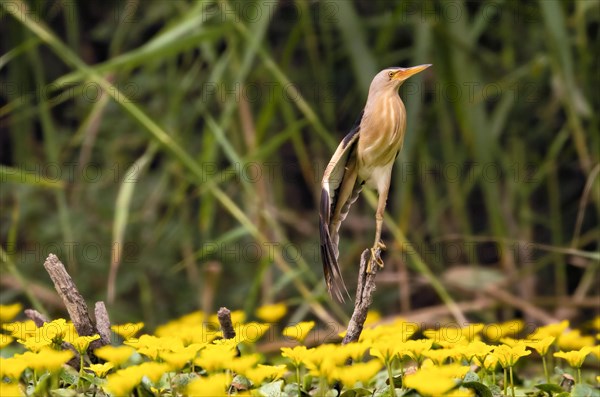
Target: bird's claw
375, 258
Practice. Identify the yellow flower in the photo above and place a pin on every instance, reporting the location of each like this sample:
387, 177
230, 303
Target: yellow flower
116, 355
296, 355
550, 330
265, 372
494, 332
10, 390
509, 355
54, 331
8, 312
489, 363
573, 340
179, 358
438, 356
153, 370
446, 336
271, 313
212, 386
399, 330
325, 368
299, 331
385, 350
324, 352
476, 349
128, 330
354, 350
34, 344
12, 367
216, 356
5, 340
49, 359
151, 346
373, 317
250, 332
541, 345
100, 369
596, 351
435, 381
358, 372
415, 348
192, 328
123, 381
242, 364
575, 358
20, 329
81, 343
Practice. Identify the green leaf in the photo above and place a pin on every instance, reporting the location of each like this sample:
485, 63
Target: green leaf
17, 175
291, 389
272, 389
549, 388
481, 389
470, 377
496, 390
69, 375
358, 392
182, 380
241, 382
43, 384
584, 390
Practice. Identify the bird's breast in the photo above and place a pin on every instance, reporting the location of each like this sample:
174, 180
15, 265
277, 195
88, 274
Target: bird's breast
381, 135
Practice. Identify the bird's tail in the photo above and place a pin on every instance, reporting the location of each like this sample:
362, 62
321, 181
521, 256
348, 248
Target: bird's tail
331, 269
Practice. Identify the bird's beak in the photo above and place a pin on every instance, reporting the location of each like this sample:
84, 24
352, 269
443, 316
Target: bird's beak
403, 74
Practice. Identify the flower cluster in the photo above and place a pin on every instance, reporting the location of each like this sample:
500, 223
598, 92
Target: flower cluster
189, 357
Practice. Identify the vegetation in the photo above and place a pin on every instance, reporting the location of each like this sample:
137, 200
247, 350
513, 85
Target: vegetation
189, 356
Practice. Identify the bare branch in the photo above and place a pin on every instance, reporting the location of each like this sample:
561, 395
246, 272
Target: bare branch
224, 316
364, 297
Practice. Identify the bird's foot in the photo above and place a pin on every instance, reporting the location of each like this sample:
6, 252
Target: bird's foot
375, 257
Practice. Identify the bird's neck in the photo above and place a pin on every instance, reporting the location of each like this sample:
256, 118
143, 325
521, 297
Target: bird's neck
377, 102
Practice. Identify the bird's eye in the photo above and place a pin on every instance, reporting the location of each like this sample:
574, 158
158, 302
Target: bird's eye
390, 73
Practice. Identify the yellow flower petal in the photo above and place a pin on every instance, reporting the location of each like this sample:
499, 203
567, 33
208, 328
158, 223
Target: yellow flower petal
211, 386
575, 358
128, 330
100, 369
271, 313
8, 312
299, 331
113, 354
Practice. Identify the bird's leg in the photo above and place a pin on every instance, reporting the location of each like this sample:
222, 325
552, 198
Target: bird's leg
378, 245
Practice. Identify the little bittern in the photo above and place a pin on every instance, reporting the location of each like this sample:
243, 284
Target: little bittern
364, 157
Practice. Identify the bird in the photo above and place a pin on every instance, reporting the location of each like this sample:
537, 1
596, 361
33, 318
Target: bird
365, 157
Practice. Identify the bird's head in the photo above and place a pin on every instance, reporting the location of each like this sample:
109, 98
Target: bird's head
392, 78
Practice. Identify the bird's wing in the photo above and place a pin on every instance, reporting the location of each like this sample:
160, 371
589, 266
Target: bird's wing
340, 173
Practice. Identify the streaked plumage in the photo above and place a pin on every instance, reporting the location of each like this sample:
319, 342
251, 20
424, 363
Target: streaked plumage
364, 157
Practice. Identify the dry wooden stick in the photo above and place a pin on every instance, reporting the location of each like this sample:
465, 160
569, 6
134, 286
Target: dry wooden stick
364, 297
70, 295
38, 318
224, 316
75, 304
102, 322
